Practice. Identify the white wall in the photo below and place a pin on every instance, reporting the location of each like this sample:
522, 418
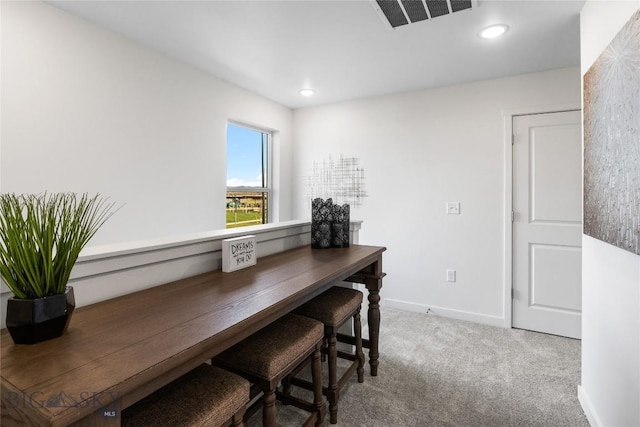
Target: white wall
420, 150
610, 389
84, 109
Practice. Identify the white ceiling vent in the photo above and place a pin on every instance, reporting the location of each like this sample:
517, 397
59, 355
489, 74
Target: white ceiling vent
402, 12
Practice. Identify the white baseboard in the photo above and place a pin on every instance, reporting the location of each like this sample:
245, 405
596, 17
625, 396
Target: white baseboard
445, 312
587, 407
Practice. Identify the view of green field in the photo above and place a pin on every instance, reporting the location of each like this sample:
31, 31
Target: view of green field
240, 218
245, 208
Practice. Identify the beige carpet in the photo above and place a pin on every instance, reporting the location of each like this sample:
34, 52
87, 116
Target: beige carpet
436, 371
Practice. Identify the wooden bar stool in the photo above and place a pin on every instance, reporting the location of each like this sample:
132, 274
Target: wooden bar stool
272, 353
333, 308
207, 396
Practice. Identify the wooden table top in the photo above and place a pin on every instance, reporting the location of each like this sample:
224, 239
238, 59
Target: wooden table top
116, 347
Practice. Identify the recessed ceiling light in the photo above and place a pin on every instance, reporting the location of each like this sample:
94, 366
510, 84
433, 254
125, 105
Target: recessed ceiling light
307, 92
493, 31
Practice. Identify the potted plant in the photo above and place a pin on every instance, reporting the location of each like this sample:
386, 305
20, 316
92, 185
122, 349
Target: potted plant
41, 237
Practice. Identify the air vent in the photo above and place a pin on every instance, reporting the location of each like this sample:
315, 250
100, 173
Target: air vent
403, 12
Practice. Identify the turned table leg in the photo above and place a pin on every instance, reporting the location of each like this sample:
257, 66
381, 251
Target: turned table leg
372, 276
373, 315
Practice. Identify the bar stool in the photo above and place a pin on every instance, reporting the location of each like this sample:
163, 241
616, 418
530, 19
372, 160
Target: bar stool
333, 308
272, 353
207, 396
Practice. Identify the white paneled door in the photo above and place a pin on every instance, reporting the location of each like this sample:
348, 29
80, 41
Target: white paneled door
547, 223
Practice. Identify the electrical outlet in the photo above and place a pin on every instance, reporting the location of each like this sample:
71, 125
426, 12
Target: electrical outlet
451, 275
453, 208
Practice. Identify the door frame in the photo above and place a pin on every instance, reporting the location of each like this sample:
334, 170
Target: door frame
508, 116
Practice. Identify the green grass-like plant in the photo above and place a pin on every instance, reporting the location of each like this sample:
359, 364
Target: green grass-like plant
41, 237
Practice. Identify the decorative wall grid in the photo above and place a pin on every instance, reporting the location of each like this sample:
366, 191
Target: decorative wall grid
341, 179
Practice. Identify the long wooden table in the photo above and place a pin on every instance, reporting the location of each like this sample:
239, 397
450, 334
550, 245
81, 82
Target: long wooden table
120, 350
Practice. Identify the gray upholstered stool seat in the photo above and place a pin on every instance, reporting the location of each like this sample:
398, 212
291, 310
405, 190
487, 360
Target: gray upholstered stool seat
207, 396
272, 353
333, 308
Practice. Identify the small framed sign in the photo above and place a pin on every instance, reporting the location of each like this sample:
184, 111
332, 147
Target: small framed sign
239, 252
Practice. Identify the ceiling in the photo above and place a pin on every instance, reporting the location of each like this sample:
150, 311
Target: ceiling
343, 49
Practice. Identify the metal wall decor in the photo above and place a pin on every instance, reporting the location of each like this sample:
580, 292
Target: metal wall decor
612, 141
341, 183
342, 180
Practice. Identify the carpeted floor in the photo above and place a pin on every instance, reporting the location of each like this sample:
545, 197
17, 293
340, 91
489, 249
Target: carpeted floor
436, 371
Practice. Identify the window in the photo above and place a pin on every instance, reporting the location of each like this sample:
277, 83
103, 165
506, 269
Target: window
248, 181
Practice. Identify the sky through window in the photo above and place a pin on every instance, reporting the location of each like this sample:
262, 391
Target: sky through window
244, 157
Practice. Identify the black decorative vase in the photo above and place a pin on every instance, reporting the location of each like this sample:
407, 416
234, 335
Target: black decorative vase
321, 219
329, 224
340, 226
34, 320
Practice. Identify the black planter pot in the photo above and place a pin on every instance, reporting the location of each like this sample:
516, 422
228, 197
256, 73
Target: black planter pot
33, 320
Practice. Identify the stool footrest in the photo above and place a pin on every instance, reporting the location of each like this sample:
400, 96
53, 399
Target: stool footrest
255, 407
347, 339
304, 384
309, 386
347, 375
347, 356
287, 399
